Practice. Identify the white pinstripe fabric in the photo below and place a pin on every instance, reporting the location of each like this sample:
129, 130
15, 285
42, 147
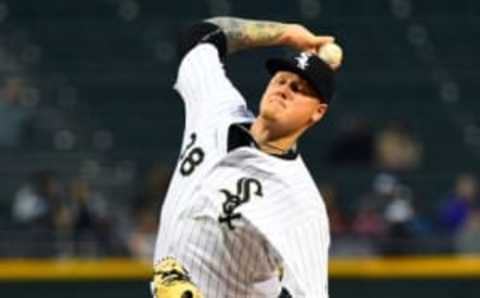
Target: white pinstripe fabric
286, 225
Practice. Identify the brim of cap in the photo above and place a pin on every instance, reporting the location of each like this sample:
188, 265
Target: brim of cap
278, 64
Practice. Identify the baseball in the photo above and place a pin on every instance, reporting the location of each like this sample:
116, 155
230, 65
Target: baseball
332, 54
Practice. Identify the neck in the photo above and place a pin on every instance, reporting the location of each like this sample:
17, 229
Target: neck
268, 140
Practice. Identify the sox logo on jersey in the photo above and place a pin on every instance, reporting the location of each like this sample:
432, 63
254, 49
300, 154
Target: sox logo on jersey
233, 201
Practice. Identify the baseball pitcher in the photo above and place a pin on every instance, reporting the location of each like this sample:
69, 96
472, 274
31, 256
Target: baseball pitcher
243, 216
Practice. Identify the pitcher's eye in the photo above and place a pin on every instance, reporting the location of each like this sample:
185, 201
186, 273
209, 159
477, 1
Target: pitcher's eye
296, 88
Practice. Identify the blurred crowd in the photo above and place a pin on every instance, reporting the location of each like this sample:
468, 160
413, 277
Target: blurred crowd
56, 217
387, 220
50, 214
391, 217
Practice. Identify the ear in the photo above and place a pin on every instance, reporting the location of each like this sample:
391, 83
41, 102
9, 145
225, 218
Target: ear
319, 112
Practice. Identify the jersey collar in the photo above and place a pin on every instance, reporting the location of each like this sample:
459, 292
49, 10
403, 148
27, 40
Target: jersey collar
238, 136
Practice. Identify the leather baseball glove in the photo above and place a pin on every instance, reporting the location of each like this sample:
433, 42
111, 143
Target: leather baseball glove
171, 280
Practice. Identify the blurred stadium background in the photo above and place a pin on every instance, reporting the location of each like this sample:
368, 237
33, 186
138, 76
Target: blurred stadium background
90, 129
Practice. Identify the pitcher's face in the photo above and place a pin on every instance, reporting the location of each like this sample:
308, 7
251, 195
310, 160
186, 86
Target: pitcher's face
291, 103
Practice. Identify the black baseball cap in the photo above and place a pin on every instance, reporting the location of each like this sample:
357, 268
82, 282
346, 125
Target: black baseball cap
311, 68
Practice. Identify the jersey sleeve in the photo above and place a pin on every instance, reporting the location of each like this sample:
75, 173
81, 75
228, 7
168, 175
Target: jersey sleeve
202, 83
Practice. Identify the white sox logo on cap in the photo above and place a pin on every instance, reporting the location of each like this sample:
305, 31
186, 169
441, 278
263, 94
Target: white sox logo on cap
302, 60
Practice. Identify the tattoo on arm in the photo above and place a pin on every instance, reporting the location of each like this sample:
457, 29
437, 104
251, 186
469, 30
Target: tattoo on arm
242, 33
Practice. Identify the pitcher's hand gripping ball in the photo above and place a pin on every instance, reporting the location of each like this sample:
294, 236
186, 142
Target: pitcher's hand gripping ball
171, 280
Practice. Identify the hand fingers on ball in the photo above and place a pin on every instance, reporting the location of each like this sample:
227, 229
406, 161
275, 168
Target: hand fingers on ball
324, 39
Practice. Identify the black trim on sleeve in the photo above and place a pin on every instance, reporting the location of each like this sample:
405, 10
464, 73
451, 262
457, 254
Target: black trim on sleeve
200, 33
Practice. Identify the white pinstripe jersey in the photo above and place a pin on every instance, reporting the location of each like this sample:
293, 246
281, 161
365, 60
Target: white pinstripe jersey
233, 217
